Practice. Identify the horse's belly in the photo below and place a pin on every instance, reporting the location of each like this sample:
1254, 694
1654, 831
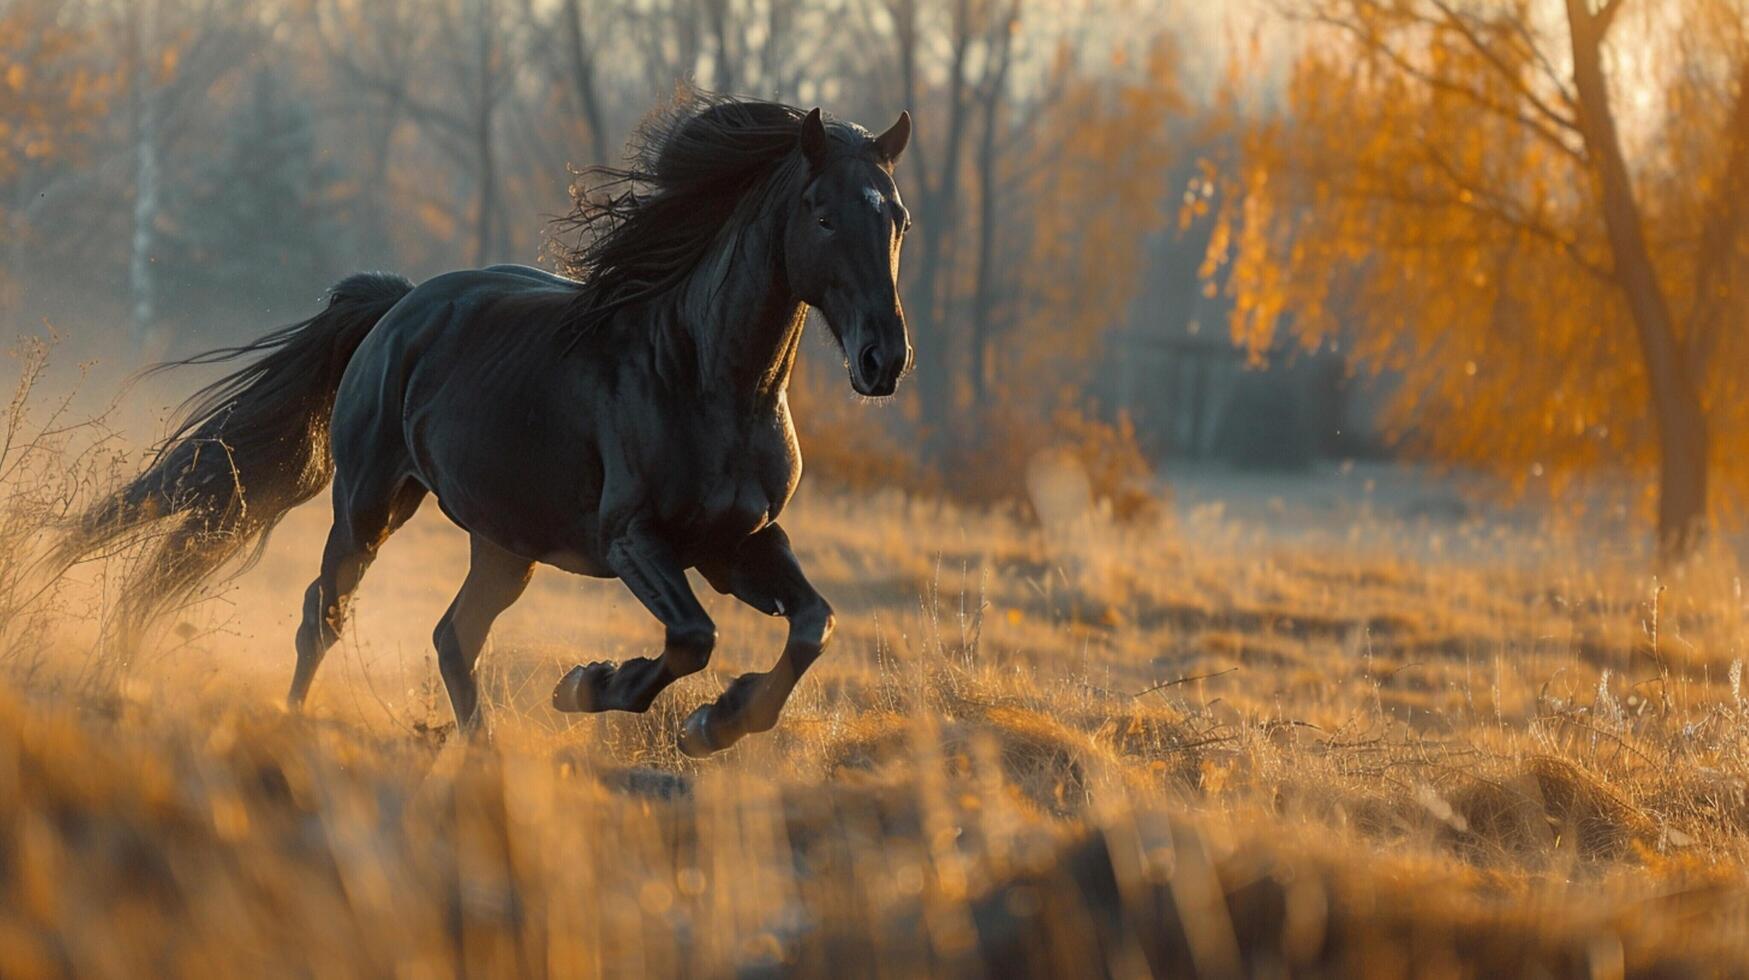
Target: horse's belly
515, 491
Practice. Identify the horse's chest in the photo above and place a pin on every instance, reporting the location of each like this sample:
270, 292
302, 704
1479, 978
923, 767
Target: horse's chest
731, 491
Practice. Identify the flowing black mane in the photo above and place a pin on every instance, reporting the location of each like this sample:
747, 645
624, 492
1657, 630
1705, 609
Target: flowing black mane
694, 167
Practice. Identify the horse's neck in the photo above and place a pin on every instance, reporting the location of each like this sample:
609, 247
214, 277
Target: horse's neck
744, 322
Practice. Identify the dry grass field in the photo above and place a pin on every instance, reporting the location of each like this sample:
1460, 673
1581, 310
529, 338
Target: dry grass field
1196, 747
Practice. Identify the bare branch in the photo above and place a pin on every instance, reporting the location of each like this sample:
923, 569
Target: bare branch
1439, 83
1487, 202
1464, 28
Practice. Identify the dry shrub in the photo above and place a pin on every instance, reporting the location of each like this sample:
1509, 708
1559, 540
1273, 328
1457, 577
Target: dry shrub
1144, 734
1500, 821
1583, 808
1541, 807
1047, 766
1108, 452
851, 443
49, 460
997, 463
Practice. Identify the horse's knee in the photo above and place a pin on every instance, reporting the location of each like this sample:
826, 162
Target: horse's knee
828, 621
813, 622
688, 648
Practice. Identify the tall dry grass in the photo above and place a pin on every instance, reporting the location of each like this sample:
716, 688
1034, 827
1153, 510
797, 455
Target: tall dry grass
1067, 746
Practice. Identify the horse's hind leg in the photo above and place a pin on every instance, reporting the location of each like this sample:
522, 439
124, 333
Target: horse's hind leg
764, 574
653, 574
364, 516
496, 578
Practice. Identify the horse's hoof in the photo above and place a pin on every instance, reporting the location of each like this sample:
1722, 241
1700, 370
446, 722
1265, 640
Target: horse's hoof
695, 741
565, 694
580, 688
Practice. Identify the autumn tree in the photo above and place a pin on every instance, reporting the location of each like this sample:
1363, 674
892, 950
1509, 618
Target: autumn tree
1534, 212
449, 67
935, 170
257, 228
47, 90
52, 94
172, 52
1089, 192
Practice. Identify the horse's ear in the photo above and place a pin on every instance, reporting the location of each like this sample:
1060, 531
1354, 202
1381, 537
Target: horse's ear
814, 138
890, 144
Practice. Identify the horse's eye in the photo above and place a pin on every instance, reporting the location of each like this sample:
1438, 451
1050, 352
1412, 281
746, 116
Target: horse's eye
825, 222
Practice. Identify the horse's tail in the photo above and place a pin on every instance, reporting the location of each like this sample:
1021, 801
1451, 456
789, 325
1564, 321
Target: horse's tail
246, 449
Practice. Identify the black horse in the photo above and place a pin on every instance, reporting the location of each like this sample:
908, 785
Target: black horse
631, 422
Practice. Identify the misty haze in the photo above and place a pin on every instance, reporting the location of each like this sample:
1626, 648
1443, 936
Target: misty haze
874, 487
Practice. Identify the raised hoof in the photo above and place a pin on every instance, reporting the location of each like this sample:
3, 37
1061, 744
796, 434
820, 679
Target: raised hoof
695, 740
579, 688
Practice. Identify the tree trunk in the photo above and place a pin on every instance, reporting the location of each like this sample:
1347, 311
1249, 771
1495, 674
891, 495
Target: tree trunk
583, 82
724, 77
935, 359
984, 292
486, 213
378, 220
779, 15
142, 284
1680, 420
486, 206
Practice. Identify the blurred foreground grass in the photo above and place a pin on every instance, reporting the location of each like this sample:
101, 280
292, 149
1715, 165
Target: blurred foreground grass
1077, 749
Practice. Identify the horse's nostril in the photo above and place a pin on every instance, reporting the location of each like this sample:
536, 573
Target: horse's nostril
869, 361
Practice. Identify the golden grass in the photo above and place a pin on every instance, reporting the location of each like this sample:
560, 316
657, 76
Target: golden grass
1075, 749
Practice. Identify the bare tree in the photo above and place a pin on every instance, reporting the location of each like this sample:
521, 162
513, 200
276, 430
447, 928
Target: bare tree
938, 198
992, 98
144, 100
469, 48
173, 51
383, 34
1681, 422
580, 60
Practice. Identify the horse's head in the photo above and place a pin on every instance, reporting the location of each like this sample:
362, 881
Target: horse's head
842, 248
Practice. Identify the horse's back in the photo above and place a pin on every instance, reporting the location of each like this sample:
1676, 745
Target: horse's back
532, 274
457, 388
451, 322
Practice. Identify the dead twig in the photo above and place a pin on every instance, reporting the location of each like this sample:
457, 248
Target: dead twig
1182, 680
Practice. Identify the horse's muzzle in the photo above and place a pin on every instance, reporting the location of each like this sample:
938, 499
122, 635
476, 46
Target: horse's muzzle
876, 367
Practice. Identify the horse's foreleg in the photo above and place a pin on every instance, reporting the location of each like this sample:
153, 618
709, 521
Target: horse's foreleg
764, 574
648, 567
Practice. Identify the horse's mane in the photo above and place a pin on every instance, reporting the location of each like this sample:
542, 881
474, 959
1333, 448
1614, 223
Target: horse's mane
642, 229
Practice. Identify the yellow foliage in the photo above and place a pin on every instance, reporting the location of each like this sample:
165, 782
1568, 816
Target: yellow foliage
1094, 196
1421, 198
50, 92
